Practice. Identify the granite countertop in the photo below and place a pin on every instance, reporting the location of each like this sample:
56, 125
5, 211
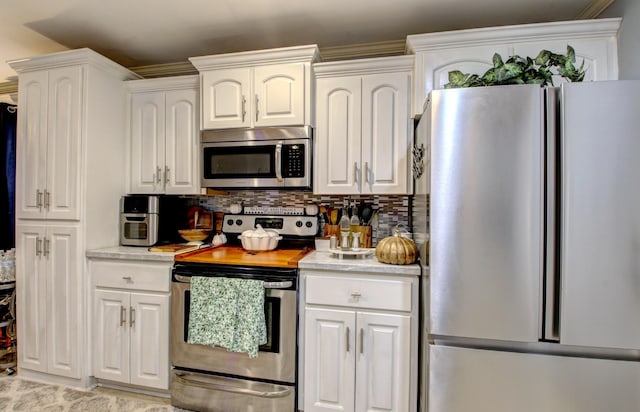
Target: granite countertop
130, 253
369, 264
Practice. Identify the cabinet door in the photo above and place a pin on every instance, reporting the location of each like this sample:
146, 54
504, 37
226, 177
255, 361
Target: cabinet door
48, 286
64, 303
64, 133
226, 99
111, 335
149, 322
338, 133
149, 325
329, 360
147, 142
31, 144
182, 142
279, 95
383, 369
31, 294
386, 136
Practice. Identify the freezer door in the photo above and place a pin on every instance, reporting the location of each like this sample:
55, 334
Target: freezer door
600, 214
474, 380
487, 212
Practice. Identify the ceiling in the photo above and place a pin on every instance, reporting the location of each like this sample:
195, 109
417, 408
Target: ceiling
148, 32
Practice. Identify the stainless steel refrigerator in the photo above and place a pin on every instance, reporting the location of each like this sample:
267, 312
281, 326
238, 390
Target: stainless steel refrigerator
532, 291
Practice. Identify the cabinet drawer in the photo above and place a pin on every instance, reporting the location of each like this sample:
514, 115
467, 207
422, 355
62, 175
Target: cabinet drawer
354, 292
131, 275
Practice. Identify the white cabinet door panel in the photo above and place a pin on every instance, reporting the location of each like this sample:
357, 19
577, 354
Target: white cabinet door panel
279, 95
182, 142
31, 142
63, 143
329, 360
63, 300
31, 293
111, 335
386, 138
149, 325
226, 99
147, 142
382, 383
337, 163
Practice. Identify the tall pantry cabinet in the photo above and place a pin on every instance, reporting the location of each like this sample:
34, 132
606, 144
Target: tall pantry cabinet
69, 177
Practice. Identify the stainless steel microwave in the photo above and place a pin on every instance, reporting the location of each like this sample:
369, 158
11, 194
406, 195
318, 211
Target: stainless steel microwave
265, 158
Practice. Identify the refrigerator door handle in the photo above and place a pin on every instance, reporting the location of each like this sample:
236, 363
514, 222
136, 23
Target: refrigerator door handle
550, 307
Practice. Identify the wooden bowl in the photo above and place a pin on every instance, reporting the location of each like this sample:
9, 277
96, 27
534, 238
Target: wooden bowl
194, 235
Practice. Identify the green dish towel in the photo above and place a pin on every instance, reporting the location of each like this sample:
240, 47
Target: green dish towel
227, 312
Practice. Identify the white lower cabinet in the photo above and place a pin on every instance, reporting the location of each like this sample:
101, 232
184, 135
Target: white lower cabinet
48, 298
131, 326
356, 361
358, 344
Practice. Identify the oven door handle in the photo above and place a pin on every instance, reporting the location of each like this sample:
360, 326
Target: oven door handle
278, 285
281, 393
267, 285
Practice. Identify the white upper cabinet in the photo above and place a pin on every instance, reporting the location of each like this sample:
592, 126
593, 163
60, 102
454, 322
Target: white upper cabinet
363, 136
164, 136
254, 89
49, 129
471, 51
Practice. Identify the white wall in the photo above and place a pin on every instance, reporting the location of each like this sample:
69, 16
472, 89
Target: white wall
629, 37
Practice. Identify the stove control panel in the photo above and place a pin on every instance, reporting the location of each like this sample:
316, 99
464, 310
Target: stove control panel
286, 225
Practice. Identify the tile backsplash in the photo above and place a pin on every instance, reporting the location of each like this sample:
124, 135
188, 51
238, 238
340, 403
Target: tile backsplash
394, 210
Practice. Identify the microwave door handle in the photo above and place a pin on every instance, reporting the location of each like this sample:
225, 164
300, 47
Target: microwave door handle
279, 162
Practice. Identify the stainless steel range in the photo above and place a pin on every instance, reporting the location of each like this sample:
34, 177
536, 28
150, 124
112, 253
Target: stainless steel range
211, 378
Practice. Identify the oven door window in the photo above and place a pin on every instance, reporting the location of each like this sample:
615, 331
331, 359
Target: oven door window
239, 162
272, 320
135, 230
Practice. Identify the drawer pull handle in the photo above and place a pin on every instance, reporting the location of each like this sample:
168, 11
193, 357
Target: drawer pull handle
356, 295
123, 316
127, 278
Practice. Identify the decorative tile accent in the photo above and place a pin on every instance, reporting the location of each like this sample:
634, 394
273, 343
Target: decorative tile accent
394, 210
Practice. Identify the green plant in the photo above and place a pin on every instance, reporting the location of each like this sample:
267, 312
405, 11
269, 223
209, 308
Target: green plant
520, 70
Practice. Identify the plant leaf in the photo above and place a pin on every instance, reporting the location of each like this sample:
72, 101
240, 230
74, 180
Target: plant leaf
543, 57
497, 61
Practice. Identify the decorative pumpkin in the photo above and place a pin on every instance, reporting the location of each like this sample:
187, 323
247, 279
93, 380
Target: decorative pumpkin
397, 250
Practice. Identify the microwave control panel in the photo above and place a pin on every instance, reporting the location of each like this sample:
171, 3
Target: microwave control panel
293, 160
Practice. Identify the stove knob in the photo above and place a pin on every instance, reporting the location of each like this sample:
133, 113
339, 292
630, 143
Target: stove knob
309, 224
298, 224
239, 222
230, 222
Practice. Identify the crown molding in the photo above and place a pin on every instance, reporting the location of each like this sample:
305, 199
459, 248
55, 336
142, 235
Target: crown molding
594, 9
362, 50
9, 87
71, 58
165, 69
295, 54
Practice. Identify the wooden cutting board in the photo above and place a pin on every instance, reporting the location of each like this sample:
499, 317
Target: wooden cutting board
235, 255
178, 247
